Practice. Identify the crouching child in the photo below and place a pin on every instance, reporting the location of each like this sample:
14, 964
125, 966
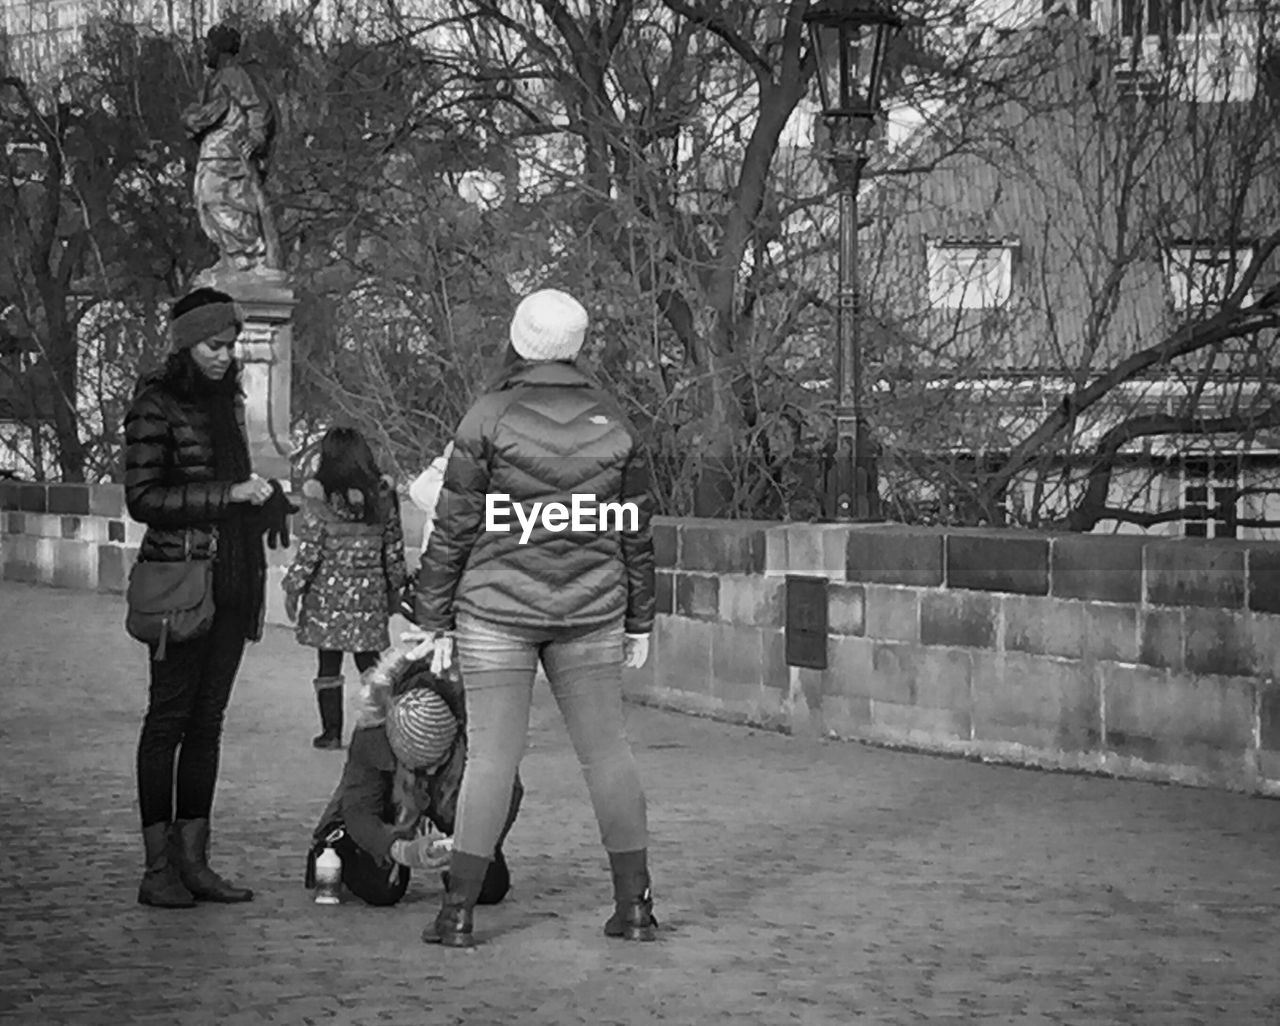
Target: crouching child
403, 775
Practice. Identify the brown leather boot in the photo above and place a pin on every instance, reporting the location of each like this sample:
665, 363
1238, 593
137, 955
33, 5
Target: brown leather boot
632, 917
191, 841
161, 885
452, 926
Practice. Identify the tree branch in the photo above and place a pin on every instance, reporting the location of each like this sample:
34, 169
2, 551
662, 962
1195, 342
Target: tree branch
618, 19
566, 26
1228, 323
1092, 506
715, 23
1127, 516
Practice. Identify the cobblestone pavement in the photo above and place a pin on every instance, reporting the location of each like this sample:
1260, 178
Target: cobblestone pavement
797, 881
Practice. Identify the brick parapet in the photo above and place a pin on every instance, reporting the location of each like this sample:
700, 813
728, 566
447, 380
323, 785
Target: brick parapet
1142, 657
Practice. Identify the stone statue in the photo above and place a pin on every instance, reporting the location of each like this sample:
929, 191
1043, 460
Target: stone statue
234, 125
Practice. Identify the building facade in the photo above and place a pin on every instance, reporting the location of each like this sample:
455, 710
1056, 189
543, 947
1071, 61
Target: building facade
1116, 197
39, 38
41, 35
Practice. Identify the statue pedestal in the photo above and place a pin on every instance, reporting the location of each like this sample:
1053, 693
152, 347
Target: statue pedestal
265, 351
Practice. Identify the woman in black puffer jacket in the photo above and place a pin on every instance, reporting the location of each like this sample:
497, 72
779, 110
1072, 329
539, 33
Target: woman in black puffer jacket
571, 587
188, 478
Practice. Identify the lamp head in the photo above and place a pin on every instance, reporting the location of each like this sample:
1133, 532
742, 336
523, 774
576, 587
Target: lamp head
849, 38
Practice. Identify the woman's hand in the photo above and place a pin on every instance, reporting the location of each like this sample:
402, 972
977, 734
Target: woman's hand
442, 654
423, 853
438, 646
256, 491
635, 651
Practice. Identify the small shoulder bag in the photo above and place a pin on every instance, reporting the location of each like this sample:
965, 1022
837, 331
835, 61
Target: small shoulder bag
171, 600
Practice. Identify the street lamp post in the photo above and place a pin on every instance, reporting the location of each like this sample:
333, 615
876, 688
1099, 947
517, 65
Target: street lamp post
849, 39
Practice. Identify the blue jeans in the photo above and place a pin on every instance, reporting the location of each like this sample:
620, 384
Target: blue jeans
584, 667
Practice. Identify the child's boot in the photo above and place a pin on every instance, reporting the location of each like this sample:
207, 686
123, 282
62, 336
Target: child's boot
329, 699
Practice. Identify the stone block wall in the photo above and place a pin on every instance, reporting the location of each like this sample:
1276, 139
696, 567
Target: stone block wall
1141, 657
81, 536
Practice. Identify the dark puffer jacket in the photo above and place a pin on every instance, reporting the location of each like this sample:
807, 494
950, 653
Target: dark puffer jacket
547, 432
169, 473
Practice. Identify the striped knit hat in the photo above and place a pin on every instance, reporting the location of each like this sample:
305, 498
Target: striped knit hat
420, 728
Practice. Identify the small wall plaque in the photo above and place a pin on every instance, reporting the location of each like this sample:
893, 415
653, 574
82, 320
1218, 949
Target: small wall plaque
806, 627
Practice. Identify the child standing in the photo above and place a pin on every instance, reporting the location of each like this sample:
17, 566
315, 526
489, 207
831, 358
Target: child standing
425, 491
348, 569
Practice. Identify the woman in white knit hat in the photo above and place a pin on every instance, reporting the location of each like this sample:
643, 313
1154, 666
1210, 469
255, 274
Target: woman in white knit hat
403, 773
577, 597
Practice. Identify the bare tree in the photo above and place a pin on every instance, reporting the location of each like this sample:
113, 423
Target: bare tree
87, 182
662, 125
1142, 198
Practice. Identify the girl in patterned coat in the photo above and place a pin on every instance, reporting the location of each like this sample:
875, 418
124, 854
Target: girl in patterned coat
348, 570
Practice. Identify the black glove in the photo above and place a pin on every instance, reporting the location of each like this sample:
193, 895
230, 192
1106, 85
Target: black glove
274, 516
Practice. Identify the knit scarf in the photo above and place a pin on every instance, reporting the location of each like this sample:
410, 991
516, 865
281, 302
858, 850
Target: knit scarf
239, 570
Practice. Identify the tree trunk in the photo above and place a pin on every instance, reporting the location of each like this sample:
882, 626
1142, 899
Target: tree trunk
62, 398
716, 440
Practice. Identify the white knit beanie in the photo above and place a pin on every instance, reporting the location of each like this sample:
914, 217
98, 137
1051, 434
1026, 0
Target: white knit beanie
548, 325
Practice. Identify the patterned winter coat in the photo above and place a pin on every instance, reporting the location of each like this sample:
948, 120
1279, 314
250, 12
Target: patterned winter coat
346, 574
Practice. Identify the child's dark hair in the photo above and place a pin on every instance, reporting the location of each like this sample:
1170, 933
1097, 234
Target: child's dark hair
347, 464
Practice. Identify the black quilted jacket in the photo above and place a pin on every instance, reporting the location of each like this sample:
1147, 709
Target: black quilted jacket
544, 434
169, 480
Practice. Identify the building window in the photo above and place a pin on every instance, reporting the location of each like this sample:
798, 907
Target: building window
1210, 487
1202, 276
1076, 8
970, 275
1167, 17
1199, 50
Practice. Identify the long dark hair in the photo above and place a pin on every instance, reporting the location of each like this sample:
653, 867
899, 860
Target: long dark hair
347, 464
181, 376
180, 373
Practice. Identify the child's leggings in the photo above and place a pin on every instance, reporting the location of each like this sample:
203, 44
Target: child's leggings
330, 662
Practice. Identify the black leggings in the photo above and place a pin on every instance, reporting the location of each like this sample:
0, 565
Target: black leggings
189, 692
330, 662
369, 881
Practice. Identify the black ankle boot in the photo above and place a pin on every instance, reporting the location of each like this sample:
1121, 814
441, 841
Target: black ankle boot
632, 917
191, 844
452, 925
161, 885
